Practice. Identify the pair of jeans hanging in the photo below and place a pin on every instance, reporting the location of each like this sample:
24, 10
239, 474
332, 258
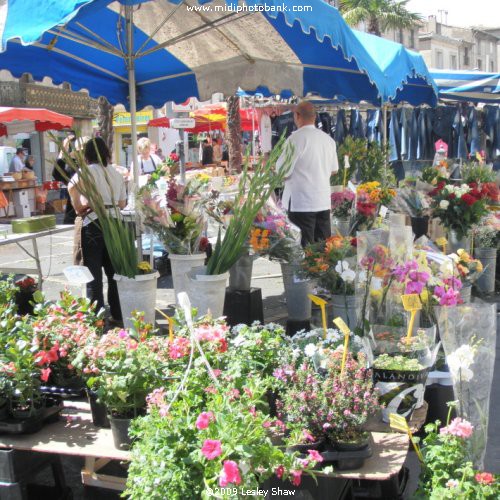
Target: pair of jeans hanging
425, 151
340, 127
442, 125
394, 136
356, 125
473, 139
460, 150
405, 124
374, 125
413, 135
492, 130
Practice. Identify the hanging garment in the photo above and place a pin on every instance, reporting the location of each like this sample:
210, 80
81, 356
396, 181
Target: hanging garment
405, 126
265, 133
325, 121
442, 124
413, 135
473, 139
423, 135
394, 135
282, 125
340, 127
356, 125
460, 145
374, 125
492, 130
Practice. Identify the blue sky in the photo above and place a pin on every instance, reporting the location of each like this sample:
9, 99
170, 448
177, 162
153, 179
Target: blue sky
461, 12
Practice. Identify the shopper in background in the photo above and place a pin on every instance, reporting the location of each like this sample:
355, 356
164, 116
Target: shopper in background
148, 161
217, 148
111, 186
29, 164
306, 194
207, 155
17, 162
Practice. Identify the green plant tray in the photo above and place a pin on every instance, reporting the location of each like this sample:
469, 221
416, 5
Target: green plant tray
33, 224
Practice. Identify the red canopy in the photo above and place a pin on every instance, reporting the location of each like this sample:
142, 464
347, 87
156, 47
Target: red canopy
16, 120
213, 117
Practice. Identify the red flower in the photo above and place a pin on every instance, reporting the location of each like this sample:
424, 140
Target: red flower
203, 243
366, 209
296, 477
437, 189
468, 199
46, 357
452, 196
45, 374
279, 471
222, 345
174, 156
485, 478
354, 242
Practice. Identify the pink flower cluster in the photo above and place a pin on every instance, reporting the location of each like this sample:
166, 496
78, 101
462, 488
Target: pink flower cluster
204, 419
459, 428
157, 399
415, 279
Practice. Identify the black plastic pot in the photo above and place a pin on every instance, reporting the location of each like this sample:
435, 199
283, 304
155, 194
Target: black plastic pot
352, 446
119, 429
302, 448
99, 411
420, 226
23, 299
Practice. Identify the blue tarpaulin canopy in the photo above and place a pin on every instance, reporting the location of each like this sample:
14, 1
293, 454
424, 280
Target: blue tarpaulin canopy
472, 86
406, 76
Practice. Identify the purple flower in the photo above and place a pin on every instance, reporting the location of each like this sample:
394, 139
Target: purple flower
453, 282
414, 287
447, 297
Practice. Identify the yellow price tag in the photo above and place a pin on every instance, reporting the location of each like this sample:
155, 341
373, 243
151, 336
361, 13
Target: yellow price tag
340, 324
322, 304
399, 423
413, 304
442, 242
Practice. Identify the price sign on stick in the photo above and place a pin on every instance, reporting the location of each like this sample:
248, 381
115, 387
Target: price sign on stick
413, 304
170, 325
322, 304
340, 324
399, 423
442, 242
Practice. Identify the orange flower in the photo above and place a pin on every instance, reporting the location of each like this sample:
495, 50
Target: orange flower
333, 243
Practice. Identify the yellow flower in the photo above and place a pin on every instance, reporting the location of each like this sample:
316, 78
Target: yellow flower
424, 296
144, 267
479, 267
376, 294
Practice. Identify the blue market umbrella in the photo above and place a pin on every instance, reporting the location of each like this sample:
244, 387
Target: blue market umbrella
139, 52
471, 86
407, 78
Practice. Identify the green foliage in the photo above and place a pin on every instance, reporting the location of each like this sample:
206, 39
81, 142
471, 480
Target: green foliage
402, 363
254, 191
367, 160
477, 172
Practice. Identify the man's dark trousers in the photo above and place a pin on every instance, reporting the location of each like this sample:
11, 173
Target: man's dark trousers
315, 226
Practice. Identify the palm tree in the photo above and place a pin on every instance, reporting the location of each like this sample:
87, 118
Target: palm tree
233, 137
379, 15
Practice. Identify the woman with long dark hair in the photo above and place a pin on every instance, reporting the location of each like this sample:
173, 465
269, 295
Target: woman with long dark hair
111, 186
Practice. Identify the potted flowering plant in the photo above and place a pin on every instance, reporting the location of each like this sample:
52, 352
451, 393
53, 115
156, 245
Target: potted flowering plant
448, 471
221, 443
122, 367
459, 208
331, 263
176, 216
342, 203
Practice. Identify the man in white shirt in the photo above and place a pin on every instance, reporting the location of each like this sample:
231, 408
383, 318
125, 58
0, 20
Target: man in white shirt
17, 162
307, 185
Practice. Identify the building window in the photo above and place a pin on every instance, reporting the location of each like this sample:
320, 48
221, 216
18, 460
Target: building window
466, 56
412, 39
479, 64
453, 62
439, 59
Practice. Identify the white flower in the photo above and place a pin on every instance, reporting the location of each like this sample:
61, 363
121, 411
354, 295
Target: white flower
362, 276
310, 350
333, 335
444, 204
348, 275
452, 483
460, 362
239, 340
454, 257
342, 265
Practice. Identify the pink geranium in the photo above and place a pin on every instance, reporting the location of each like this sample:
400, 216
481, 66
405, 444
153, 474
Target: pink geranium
485, 478
229, 474
296, 477
315, 455
280, 470
211, 448
204, 419
458, 427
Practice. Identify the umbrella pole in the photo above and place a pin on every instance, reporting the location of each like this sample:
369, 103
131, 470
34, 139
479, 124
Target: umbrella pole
133, 122
384, 136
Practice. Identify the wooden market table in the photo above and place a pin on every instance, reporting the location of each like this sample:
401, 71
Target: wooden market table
74, 434
12, 238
